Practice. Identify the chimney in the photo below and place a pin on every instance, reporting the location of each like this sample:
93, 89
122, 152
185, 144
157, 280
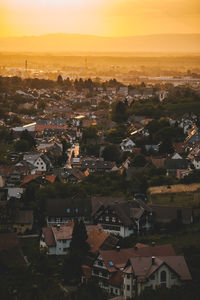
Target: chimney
118, 248
58, 226
153, 260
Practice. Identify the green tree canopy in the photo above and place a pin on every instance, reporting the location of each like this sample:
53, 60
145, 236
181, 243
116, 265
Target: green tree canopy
120, 112
111, 153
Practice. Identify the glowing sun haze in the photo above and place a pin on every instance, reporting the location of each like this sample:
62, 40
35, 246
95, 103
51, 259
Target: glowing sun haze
99, 17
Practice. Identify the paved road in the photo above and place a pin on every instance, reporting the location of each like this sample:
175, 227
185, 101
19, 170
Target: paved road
74, 149
28, 236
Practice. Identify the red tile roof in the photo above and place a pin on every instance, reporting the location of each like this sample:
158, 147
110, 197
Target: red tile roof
64, 232
118, 259
143, 267
116, 279
28, 178
39, 127
87, 272
48, 236
96, 238
161, 250
158, 162
50, 178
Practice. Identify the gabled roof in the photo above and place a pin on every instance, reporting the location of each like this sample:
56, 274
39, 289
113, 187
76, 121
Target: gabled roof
119, 258
31, 157
143, 267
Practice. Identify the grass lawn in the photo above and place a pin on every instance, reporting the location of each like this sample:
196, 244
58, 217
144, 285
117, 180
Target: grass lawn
186, 200
186, 238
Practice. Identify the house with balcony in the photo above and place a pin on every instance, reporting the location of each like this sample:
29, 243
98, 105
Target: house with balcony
121, 217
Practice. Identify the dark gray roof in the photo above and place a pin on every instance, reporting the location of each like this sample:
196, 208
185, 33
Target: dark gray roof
175, 164
24, 217
166, 214
126, 211
69, 207
97, 202
97, 165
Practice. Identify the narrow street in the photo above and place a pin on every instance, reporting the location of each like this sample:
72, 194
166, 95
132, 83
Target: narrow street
75, 149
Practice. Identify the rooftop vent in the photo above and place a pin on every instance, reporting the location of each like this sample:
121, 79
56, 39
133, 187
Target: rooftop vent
118, 248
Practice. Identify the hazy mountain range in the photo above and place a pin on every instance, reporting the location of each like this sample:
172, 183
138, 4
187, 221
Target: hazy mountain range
89, 43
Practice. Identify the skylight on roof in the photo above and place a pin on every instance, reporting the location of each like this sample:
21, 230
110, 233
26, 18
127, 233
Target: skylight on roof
111, 263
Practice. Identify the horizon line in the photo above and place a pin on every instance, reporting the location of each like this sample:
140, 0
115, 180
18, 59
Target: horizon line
94, 35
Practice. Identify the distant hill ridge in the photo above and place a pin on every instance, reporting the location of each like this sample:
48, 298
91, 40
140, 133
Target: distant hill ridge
76, 42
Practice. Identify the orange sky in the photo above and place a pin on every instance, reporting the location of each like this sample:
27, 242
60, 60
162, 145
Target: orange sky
99, 17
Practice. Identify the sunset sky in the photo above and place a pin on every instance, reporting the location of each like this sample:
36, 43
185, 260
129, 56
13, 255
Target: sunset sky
99, 17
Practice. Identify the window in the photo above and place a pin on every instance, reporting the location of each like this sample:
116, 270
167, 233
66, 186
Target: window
128, 276
128, 287
163, 276
107, 219
173, 276
153, 277
113, 219
64, 249
110, 227
68, 210
100, 263
111, 263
